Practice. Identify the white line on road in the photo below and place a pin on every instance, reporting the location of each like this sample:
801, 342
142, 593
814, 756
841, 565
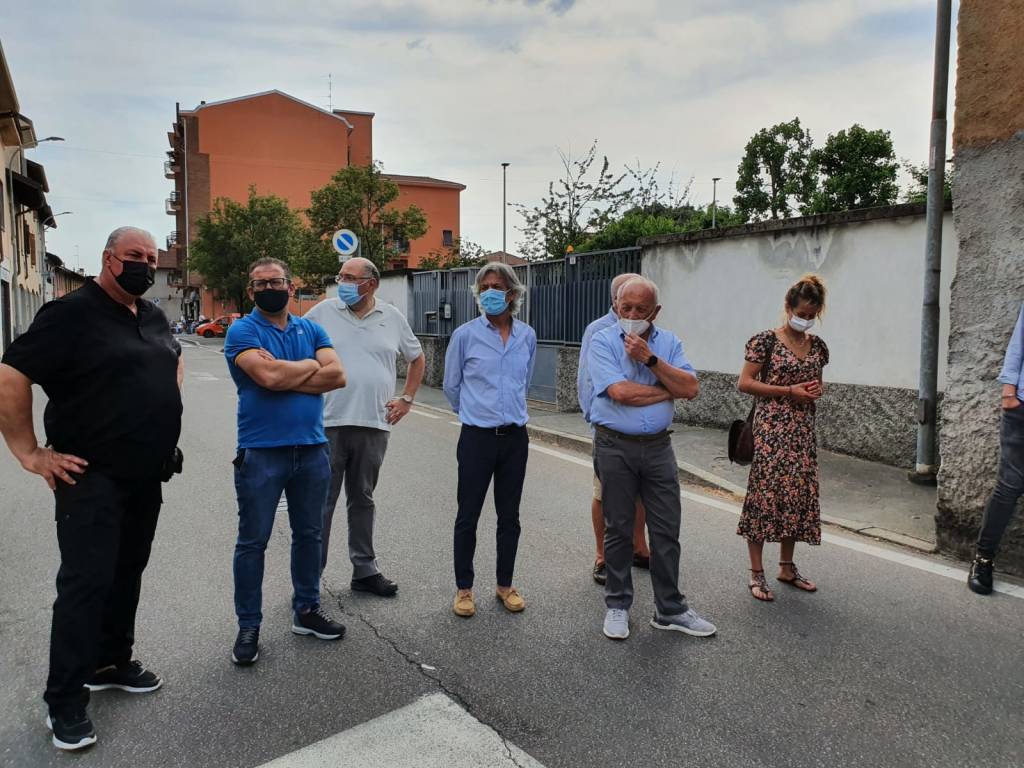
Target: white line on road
455, 423
432, 732
893, 556
424, 414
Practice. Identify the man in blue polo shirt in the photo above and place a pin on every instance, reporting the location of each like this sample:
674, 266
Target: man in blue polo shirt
638, 371
282, 365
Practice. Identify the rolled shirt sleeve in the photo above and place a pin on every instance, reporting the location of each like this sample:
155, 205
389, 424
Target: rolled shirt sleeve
1014, 359
408, 343
323, 339
678, 359
241, 336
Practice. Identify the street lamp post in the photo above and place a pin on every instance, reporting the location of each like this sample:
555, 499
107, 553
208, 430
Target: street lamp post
504, 212
714, 200
54, 216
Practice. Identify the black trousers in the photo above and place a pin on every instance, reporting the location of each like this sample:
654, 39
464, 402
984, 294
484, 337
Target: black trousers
105, 531
1009, 484
485, 453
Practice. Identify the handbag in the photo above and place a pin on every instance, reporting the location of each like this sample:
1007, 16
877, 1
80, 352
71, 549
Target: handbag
741, 432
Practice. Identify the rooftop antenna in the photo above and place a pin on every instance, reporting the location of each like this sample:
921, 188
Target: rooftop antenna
330, 93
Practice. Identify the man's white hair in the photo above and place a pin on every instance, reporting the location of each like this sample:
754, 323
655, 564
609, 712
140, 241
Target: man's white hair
516, 288
620, 280
640, 282
120, 232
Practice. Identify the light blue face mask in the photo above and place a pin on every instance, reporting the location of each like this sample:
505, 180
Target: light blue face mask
348, 294
492, 302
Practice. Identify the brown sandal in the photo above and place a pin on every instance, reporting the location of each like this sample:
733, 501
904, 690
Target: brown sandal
758, 582
798, 581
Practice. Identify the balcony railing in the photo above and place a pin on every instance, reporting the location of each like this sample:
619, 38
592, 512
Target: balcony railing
172, 239
170, 169
173, 203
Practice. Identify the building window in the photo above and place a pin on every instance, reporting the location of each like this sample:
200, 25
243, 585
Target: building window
446, 238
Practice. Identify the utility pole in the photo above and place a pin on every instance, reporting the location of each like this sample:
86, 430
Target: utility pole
714, 200
504, 212
927, 462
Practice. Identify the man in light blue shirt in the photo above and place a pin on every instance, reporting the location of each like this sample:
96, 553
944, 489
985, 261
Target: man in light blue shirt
638, 371
1010, 483
487, 373
585, 394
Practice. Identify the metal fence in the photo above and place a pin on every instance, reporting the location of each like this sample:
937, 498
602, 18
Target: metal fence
562, 296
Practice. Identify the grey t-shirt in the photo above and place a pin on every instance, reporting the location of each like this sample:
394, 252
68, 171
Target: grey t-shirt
368, 349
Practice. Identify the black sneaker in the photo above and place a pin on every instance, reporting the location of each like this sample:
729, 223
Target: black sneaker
318, 624
129, 676
376, 584
247, 646
71, 730
980, 578
599, 573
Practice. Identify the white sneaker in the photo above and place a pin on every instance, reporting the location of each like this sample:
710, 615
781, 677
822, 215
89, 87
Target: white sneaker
616, 624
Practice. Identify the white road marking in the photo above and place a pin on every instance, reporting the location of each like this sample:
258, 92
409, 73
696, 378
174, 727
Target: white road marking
418, 412
455, 423
203, 376
433, 732
893, 556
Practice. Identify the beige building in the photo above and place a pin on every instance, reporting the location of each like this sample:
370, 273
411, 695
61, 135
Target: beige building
24, 216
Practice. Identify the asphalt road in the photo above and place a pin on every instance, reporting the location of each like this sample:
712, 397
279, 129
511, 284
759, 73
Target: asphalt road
888, 665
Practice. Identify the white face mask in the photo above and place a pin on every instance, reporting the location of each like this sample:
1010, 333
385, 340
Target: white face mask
800, 325
634, 326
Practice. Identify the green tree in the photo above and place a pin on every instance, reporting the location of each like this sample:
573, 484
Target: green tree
362, 198
776, 174
581, 203
724, 217
462, 253
233, 235
917, 192
315, 262
857, 168
624, 232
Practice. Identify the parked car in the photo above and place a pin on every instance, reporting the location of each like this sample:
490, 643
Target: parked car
216, 327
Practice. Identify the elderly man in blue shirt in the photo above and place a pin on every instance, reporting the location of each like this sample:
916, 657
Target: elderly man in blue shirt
487, 372
585, 394
637, 372
1010, 483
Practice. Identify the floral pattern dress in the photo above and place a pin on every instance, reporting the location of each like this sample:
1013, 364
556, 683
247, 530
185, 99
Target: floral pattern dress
782, 492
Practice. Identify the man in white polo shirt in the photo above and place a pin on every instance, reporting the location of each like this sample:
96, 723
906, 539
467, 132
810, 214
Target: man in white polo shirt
368, 336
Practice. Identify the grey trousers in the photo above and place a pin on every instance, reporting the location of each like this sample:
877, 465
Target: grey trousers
356, 456
628, 469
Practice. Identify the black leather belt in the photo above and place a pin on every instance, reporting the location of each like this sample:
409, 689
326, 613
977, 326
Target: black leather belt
504, 429
633, 438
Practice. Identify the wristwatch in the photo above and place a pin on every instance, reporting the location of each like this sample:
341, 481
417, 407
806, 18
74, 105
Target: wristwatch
651, 361
406, 398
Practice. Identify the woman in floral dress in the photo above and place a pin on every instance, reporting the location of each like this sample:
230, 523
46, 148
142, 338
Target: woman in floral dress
782, 492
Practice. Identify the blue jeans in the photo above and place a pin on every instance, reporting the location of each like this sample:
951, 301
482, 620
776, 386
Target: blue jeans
303, 473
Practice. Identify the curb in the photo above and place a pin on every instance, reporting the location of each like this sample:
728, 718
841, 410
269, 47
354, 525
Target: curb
690, 474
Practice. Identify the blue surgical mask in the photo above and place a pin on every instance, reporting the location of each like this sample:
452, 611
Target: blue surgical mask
348, 294
492, 302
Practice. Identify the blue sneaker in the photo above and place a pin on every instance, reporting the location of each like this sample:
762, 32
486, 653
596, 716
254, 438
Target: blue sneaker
689, 623
616, 624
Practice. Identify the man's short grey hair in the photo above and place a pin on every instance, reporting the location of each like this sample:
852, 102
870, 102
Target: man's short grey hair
516, 288
370, 267
620, 280
120, 232
640, 281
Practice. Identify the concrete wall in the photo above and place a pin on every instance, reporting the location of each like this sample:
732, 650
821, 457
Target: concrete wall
717, 290
989, 284
394, 289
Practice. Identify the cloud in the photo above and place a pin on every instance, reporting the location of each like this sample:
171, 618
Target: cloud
460, 86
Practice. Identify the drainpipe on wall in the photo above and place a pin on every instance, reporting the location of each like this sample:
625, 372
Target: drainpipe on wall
927, 463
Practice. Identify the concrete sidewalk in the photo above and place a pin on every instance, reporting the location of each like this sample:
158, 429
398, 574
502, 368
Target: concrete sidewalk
871, 499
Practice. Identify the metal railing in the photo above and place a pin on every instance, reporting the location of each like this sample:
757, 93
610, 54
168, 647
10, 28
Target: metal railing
170, 168
562, 296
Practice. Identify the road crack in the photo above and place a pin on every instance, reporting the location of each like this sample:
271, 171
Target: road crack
437, 680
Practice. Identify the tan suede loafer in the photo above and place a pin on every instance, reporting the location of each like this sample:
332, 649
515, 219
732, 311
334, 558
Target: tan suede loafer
464, 605
512, 600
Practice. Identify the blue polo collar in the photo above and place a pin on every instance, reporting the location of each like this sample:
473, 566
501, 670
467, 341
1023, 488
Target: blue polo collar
257, 315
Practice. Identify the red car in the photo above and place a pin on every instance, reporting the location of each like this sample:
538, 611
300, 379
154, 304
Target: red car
218, 327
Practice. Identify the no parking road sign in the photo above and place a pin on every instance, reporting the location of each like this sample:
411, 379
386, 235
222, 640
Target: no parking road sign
345, 243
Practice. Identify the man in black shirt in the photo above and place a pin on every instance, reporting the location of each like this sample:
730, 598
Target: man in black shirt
112, 372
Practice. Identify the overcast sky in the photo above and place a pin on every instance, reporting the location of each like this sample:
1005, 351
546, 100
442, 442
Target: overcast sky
458, 86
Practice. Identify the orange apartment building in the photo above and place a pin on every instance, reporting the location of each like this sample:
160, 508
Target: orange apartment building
282, 146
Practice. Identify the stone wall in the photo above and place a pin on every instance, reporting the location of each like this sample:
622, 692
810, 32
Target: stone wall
989, 283
434, 349
566, 369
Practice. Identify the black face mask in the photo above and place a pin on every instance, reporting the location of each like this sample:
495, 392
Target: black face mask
136, 276
271, 301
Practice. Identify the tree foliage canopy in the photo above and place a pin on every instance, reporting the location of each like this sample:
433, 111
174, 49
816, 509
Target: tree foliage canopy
857, 168
776, 175
232, 236
362, 198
